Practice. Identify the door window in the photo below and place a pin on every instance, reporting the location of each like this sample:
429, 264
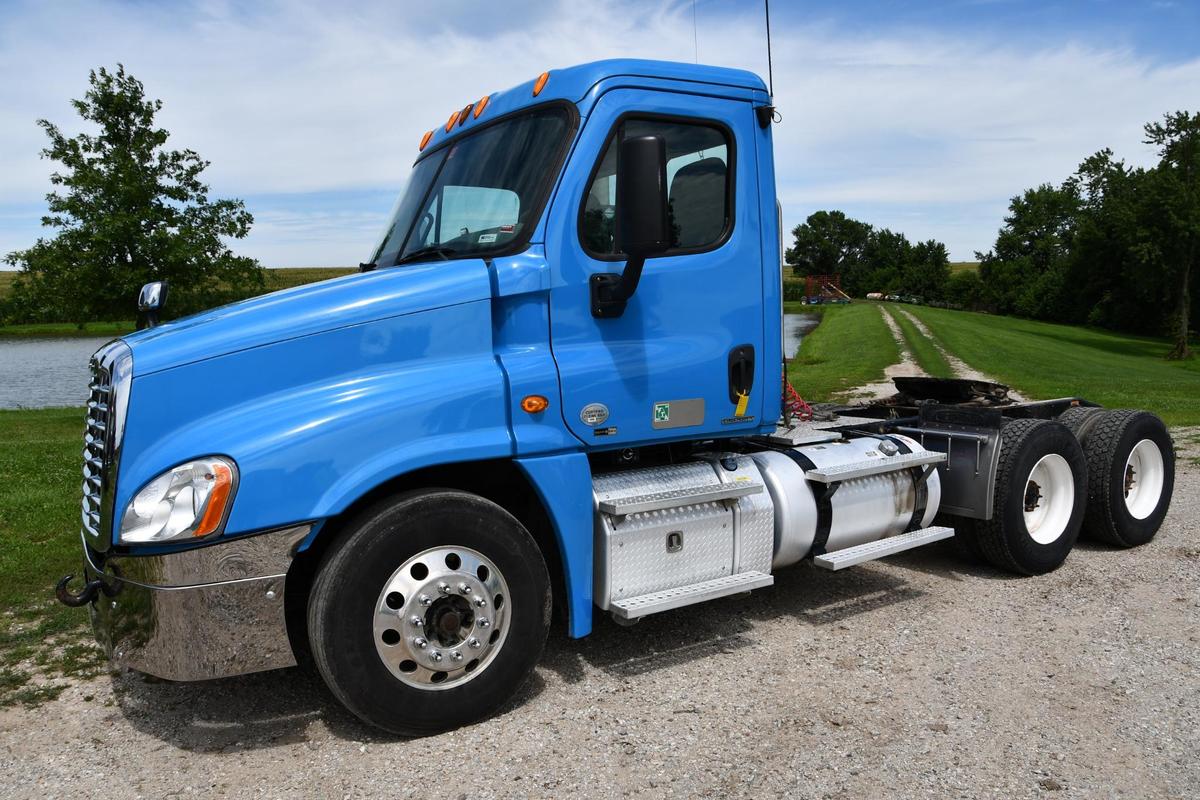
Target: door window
700, 184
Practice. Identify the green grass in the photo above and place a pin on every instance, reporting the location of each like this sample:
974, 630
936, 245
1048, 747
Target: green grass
1044, 360
113, 329
852, 346
40, 640
276, 279
927, 356
964, 266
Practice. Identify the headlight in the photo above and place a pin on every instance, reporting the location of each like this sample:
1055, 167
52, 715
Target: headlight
188, 501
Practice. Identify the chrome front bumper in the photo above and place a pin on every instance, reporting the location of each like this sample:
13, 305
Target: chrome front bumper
197, 614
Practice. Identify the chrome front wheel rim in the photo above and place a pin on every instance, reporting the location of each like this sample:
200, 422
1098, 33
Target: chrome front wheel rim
441, 617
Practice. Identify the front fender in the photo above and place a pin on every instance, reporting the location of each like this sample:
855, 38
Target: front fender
316, 421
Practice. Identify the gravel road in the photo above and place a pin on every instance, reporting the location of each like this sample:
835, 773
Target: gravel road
919, 676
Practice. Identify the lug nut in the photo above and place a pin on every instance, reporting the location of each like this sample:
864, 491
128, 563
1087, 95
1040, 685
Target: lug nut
473, 643
436, 656
420, 642
425, 600
480, 602
416, 621
444, 587
455, 655
464, 589
484, 622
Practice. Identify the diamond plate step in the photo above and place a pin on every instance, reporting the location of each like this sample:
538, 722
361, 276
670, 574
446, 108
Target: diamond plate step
675, 498
667, 599
882, 547
873, 466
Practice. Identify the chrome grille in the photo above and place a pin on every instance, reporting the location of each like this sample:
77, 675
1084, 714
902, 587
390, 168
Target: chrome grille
108, 401
97, 453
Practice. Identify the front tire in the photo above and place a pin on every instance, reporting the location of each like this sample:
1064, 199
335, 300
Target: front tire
431, 613
1038, 505
1131, 476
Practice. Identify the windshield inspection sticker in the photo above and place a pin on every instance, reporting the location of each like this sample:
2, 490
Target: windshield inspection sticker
486, 238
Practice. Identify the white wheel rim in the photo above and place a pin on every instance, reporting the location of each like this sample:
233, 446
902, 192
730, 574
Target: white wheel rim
1143, 479
1049, 498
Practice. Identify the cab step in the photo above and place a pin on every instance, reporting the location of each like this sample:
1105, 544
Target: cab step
873, 466
675, 498
667, 599
882, 548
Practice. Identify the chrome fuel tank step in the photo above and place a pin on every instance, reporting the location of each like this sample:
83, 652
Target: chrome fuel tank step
882, 548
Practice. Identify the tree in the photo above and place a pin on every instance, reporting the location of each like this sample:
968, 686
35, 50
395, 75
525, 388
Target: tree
129, 211
1176, 198
1025, 272
828, 242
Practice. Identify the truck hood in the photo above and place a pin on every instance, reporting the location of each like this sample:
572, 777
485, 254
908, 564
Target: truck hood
308, 310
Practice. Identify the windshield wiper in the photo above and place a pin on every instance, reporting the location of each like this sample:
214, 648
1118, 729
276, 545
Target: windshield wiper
425, 252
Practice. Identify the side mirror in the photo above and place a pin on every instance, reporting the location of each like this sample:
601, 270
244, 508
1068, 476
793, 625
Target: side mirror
643, 221
151, 300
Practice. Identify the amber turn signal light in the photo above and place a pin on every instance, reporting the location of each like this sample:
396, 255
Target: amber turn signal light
534, 404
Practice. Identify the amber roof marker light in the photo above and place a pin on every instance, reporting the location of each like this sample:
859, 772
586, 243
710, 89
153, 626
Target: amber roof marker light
540, 83
450, 122
425, 139
481, 105
465, 114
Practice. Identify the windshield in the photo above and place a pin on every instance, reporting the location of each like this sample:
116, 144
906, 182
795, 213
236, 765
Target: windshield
479, 195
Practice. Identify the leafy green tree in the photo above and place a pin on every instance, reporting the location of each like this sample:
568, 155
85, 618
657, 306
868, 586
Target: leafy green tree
1025, 273
928, 270
1175, 197
128, 211
828, 242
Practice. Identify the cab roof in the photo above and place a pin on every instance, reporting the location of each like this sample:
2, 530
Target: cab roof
573, 84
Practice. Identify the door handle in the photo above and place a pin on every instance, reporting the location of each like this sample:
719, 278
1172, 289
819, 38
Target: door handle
741, 371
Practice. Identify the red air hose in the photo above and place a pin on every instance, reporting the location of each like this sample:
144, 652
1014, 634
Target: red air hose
793, 403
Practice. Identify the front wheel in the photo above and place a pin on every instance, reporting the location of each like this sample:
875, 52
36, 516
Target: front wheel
431, 613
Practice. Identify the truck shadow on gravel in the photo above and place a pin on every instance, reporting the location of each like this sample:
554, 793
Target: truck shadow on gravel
279, 708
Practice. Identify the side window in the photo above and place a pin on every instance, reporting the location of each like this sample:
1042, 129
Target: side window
698, 177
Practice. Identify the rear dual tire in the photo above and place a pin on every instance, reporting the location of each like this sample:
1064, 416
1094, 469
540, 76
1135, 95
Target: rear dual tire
1039, 498
1131, 476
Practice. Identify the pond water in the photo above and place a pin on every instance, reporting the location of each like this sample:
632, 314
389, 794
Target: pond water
43, 372
795, 328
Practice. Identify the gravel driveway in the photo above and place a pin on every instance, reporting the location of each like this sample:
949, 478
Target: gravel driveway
917, 676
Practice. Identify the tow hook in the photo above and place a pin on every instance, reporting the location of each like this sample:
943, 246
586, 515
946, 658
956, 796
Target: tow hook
91, 590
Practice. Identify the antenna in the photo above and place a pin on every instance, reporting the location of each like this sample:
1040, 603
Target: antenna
695, 35
770, 75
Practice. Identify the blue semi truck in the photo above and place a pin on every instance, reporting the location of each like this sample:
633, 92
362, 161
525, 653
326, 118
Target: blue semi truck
554, 389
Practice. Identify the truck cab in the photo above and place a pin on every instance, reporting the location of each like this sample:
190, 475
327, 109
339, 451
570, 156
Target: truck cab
555, 385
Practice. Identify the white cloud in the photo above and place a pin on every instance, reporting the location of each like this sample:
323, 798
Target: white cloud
927, 133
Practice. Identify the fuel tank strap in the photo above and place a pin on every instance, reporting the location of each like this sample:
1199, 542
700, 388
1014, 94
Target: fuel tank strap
921, 499
823, 493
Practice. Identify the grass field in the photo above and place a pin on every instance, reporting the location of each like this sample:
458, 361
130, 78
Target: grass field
39, 522
1044, 360
276, 279
928, 357
964, 266
852, 346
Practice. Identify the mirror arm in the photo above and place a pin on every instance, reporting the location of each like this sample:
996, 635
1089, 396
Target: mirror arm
610, 291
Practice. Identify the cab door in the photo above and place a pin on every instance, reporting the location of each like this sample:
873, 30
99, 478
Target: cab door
684, 359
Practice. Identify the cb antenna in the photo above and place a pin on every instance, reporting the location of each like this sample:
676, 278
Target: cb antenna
770, 75
766, 114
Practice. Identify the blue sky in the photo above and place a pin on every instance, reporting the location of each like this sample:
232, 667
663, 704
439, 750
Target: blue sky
925, 117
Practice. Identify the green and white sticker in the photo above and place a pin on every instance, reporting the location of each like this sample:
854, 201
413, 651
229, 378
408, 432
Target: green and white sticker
662, 412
